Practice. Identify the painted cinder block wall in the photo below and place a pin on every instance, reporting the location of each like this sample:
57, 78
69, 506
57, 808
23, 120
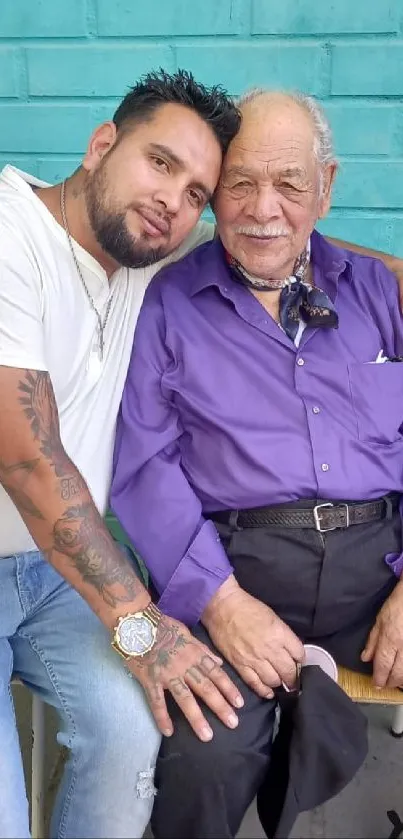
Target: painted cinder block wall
65, 65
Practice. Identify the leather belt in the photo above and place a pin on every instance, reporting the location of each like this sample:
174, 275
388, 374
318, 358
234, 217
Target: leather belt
323, 516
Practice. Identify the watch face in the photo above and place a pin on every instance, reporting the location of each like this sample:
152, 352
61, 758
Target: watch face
136, 635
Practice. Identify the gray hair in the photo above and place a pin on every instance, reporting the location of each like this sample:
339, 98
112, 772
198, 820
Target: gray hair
323, 142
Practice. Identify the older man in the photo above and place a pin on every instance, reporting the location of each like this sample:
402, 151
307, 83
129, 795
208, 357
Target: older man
255, 411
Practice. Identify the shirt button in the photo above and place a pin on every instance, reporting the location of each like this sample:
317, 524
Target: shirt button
315, 410
300, 362
325, 467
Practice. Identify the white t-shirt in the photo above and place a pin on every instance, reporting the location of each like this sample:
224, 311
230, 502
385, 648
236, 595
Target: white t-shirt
47, 323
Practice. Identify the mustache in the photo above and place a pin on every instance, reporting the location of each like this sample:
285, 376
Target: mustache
263, 231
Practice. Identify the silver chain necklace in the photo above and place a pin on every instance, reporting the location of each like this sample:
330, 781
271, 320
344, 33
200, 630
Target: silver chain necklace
101, 323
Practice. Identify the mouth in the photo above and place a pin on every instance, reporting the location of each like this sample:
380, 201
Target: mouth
264, 238
153, 224
263, 242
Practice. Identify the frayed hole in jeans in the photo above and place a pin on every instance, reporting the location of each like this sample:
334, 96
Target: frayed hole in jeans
145, 784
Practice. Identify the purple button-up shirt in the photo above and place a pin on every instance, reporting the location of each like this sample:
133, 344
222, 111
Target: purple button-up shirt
222, 411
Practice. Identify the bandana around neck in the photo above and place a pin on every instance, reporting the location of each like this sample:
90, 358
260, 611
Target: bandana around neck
298, 299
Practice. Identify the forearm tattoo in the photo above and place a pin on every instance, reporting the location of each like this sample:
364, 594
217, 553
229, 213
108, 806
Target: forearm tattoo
13, 478
79, 532
82, 536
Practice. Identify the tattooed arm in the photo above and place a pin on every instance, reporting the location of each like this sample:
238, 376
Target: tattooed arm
55, 503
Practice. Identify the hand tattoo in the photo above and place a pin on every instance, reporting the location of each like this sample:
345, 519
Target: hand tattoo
170, 639
207, 664
155, 693
194, 673
178, 687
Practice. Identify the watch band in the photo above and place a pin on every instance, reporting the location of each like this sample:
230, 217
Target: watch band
153, 613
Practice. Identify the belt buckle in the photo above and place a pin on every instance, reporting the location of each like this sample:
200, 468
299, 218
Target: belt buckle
316, 517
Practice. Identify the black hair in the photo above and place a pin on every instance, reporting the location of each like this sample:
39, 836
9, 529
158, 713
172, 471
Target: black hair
158, 88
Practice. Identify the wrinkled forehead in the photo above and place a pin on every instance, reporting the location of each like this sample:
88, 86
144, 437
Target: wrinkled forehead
273, 142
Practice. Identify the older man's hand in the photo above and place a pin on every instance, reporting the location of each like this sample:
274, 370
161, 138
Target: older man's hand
385, 642
260, 646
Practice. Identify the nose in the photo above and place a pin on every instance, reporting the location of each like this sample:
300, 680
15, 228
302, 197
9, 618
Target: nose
265, 204
169, 197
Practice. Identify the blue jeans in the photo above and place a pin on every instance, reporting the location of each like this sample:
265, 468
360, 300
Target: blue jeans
56, 645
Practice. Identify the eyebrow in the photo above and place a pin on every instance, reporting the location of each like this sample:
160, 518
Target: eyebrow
177, 161
167, 152
292, 172
239, 170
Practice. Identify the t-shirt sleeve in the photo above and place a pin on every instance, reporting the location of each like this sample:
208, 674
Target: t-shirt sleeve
201, 233
21, 305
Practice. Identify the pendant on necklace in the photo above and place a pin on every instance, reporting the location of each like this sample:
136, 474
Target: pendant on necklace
95, 359
94, 366
101, 343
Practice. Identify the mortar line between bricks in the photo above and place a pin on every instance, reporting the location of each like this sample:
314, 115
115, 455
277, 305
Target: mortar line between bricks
250, 17
208, 38
364, 213
23, 74
91, 19
368, 102
327, 68
345, 36
174, 56
251, 38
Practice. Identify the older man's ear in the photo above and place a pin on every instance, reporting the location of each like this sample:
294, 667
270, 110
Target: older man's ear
328, 178
393, 263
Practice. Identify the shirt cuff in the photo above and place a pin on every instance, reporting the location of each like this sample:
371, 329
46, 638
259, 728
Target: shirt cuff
395, 562
23, 363
203, 569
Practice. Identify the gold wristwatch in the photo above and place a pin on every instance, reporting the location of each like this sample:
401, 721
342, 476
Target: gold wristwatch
135, 633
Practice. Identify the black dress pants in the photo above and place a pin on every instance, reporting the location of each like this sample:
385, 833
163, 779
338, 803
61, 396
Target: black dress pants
328, 588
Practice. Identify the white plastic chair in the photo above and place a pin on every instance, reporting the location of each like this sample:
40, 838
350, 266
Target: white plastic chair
397, 725
38, 767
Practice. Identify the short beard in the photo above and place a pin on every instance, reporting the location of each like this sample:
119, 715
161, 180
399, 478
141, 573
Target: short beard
110, 228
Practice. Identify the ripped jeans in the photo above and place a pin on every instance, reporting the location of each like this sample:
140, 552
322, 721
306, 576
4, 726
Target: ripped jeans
56, 645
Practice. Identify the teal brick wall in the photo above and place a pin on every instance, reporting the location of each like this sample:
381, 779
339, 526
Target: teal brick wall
65, 65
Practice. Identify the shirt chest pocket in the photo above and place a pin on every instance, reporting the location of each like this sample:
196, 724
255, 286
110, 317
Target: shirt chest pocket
377, 398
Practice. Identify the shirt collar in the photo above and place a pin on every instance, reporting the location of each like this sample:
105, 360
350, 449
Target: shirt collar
215, 269
332, 261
